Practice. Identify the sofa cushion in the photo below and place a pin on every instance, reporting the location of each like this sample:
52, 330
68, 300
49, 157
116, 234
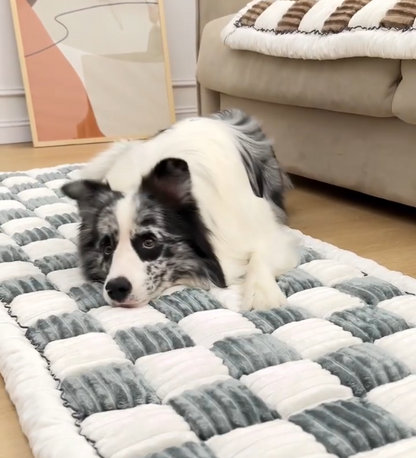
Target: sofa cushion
359, 85
404, 102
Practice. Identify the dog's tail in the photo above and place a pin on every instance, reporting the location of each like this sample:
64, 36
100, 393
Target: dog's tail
267, 178
98, 168
286, 180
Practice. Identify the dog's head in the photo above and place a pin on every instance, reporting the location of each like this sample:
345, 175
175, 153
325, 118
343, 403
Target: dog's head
141, 243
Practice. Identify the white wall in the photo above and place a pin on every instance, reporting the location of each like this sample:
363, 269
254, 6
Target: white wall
180, 19
180, 24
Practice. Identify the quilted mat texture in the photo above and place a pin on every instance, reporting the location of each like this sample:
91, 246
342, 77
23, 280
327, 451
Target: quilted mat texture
332, 374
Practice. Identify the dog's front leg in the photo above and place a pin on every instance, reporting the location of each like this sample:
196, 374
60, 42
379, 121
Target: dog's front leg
274, 255
230, 297
261, 291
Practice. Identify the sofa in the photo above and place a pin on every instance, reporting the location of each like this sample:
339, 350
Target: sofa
348, 122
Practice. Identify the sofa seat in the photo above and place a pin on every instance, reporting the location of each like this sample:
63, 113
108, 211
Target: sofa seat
361, 86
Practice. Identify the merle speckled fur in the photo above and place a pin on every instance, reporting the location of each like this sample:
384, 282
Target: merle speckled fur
166, 212
96, 204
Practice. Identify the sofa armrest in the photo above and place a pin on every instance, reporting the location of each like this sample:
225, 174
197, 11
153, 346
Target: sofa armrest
208, 10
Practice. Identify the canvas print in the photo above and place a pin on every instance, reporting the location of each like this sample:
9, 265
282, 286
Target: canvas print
93, 70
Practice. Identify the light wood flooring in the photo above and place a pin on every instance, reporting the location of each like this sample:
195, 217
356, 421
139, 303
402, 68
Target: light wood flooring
370, 227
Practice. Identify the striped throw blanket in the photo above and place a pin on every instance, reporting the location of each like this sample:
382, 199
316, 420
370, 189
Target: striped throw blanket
325, 29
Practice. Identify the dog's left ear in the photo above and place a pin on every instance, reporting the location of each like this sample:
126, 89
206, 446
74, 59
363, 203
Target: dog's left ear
87, 192
169, 182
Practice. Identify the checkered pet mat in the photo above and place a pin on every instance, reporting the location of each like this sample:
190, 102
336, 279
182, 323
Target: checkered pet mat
330, 374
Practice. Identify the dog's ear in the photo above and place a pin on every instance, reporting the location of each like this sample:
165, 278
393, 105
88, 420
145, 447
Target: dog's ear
214, 272
85, 192
169, 182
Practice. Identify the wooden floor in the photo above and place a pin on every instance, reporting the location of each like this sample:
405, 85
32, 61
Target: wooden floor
370, 227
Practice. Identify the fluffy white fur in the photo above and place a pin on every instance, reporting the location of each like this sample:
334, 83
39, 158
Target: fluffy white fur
125, 259
252, 248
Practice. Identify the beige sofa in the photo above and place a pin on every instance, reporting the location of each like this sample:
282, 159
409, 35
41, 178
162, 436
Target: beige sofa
349, 122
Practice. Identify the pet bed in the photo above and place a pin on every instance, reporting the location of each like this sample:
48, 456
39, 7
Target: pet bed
332, 374
325, 29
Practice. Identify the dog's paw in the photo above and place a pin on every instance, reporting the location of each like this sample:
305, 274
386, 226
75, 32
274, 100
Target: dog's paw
230, 298
262, 294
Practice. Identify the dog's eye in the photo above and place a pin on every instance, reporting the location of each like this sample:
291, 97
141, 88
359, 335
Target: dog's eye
149, 244
107, 246
108, 250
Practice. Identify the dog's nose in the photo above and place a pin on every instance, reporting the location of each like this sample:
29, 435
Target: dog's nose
118, 289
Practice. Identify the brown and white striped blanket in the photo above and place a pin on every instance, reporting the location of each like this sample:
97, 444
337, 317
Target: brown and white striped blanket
325, 29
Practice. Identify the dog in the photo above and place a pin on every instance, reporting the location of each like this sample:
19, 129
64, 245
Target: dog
201, 204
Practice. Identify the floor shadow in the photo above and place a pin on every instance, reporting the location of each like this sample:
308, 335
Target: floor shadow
363, 201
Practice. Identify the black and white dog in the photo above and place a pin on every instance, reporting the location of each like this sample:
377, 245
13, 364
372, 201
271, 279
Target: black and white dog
200, 205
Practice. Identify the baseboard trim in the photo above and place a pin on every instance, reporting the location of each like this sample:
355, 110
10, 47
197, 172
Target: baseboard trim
18, 131
12, 92
187, 83
185, 112
20, 92
14, 123
25, 122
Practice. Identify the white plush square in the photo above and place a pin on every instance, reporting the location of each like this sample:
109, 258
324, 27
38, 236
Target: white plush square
41, 171
137, 432
6, 240
323, 301
11, 204
405, 448
35, 193
206, 328
69, 231
176, 371
315, 337
114, 318
31, 307
404, 306
20, 225
82, 353
398, 398
330, 272
66, 279
294, 386
4, 190
17, 269
402, 346
13, 181
56, 184
59, 208
75, 174
370, 15
50, 247
273, 439
315, 18
273, 14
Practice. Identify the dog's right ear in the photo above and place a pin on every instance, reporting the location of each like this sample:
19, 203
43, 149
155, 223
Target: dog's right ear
169, 182
86, 191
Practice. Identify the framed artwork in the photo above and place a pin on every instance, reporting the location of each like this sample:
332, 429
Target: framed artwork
94, 70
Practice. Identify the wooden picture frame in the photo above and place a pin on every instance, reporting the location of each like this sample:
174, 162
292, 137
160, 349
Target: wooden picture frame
91, 79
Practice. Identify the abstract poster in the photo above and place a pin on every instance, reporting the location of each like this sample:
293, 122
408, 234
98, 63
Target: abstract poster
93, 70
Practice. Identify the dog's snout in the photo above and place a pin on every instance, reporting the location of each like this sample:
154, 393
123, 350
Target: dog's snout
118, 289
